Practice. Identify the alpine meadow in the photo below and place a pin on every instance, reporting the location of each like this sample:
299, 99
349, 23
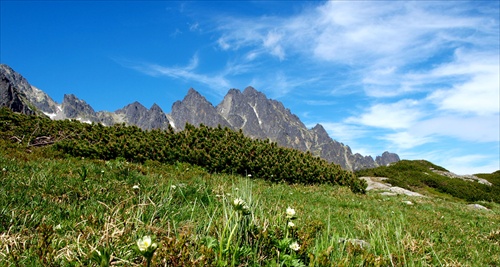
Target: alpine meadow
283, 133
77, 194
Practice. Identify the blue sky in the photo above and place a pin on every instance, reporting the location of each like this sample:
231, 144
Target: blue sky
420, 79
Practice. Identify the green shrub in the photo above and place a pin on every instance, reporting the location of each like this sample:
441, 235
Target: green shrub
218, 150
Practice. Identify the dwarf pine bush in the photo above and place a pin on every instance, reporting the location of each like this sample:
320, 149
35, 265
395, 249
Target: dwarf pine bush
218, 150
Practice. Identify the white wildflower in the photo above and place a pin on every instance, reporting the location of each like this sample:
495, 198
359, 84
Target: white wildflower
238, 203
144, 243
291, 224
295, 246
290, 213
135, 187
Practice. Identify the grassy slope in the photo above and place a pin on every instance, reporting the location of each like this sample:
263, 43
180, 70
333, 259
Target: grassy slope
59, 211
416, 175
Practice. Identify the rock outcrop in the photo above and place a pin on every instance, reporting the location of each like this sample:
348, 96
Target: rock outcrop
470, 178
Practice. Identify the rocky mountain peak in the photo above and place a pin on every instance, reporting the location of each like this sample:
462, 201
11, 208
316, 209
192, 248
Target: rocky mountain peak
195, 110
194, 97
387, 158
263, 118
250, 91
320, 133
134, 112
35, 96
75, 108
13, 98
157, 119
147, 119
155, 108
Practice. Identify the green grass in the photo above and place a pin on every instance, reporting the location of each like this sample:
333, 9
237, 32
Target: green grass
62, 211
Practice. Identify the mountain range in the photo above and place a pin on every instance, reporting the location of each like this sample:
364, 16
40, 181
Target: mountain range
249, 111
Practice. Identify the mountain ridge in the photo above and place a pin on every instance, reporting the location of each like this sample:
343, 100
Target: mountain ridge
249, 111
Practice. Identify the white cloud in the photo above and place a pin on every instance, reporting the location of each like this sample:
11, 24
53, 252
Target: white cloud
350, 134
473, 129
272, 42
471, 164
342, 132
406, 140
320, 102
478, 91
384, 42
355, 31
223, 43
279, 84
194, 27
399, 115
418, 132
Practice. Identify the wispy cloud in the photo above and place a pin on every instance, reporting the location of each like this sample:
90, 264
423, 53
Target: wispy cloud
479, 93
403, 140
217, 82
416, 72
472, 129
345, 133
385, 42
279, 84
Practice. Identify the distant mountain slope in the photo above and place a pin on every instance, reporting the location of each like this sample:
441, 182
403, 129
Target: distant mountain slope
249, 111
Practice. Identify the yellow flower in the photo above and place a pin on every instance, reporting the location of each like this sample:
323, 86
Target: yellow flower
295, 246
144, 243
290, 213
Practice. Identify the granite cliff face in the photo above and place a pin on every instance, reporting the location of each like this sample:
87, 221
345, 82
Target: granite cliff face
19, 95
249, 111
195, 110
13, 98
75, 108
387, 158
259, 117
147, 119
